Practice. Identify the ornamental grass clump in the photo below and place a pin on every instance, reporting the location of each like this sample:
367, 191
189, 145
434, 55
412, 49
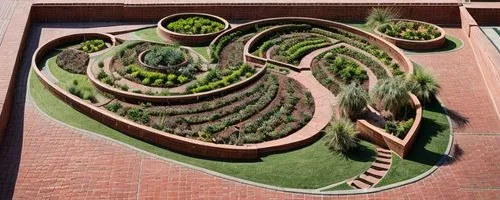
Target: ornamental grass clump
352, 100
423, 85
391, 94
341, 136
380, 16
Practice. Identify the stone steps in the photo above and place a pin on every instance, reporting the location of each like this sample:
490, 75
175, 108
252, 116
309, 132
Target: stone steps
376, 172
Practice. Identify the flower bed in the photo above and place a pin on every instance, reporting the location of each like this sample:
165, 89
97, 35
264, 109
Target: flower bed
185, 37
412, 34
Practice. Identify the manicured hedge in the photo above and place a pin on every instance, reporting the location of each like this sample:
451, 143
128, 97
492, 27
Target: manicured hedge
195, 25
91, 46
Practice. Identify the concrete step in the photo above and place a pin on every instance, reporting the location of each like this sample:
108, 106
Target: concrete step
370, 180
376, 173
383, 160
380, 166
382, 150
359, 184
382, 155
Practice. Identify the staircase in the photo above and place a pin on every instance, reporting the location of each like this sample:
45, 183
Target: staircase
376, 172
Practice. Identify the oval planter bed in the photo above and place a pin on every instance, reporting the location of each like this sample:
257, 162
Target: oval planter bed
189, 39
163, 68
414, 44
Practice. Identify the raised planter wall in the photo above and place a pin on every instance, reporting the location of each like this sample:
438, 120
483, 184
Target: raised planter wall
448, 12
414, 44
399, 146
185, 39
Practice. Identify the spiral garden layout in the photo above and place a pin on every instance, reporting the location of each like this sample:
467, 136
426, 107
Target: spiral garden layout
200, 87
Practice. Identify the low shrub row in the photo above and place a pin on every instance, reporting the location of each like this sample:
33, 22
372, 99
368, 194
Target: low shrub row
374, 66
215, 79
216, 48
195, 25
297, 55
303, 44
322, 76
91, 46
346, 69
154, 78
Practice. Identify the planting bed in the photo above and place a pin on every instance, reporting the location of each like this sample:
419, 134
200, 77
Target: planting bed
412, 34
266, 87
254, 97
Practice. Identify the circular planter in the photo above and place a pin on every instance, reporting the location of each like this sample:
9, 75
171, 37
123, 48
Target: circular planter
185, 39
414, 44
166, 69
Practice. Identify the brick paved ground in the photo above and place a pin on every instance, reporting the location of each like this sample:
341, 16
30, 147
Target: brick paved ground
41, 159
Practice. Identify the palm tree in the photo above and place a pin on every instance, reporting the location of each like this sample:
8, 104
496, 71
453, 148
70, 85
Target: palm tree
391, 94
423, 85
381, 16
341, 136
352, 100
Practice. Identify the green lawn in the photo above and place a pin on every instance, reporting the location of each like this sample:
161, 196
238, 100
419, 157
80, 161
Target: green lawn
428, 148
310, 167
64, 77
148, 34
203, 51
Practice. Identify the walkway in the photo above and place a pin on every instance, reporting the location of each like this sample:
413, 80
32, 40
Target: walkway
42, 159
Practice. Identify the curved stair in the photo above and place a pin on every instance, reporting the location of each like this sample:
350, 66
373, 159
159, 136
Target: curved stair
376, 172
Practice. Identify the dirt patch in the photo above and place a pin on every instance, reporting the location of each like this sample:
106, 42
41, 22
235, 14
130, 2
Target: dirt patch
73, 61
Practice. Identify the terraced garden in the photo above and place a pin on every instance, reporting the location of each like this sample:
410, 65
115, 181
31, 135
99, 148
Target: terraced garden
264, 94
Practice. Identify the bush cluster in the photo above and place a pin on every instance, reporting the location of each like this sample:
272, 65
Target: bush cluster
155, 78
347, 70
321, 75
195, 25
164, 56
399, 128
91, 46
217, 79
410, 30
374, 66
296, 48
73, 61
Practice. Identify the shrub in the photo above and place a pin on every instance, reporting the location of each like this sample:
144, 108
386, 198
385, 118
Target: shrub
138, 115
340, 136
352, 100
113, 107
124, 87
73, 61
423, 85
379, 16
399, 128
410, 30
90, 46
348, 70
195, 25
216, 48
101, 75
164, 56
82, 91
100, 64
301, 52
128, 57
392, 94
213, 79
182, 79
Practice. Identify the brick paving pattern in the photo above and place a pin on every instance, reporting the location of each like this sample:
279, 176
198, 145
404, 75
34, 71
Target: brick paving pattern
42, 159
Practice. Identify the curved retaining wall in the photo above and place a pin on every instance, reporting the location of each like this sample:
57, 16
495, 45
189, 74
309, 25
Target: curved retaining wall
388, 47
185, 39
400, 146
167, 140
414, 44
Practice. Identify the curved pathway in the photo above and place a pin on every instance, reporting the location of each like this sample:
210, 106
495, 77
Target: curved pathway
43, 159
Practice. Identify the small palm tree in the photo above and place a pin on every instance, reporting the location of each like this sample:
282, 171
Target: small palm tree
341, 136
381, 16
392, 94
423, 85
352, 100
